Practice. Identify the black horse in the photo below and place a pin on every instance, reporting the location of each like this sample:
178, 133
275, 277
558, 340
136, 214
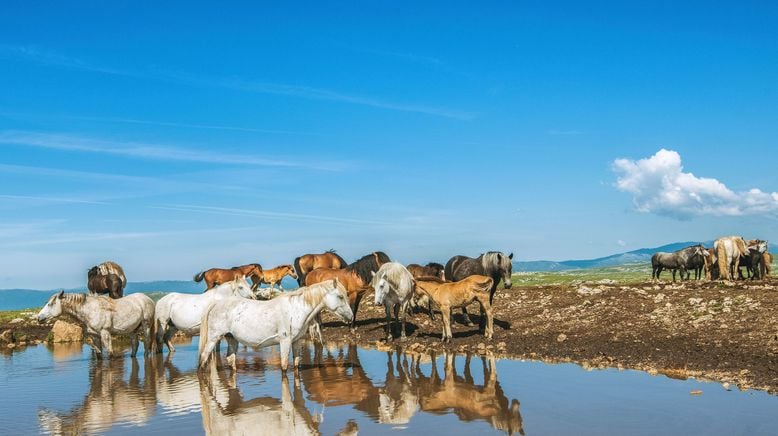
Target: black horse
684, 259
492, 264
110, 284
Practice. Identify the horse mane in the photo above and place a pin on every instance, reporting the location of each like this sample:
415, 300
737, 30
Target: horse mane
435, 265
367, 264
311, 295
493, 261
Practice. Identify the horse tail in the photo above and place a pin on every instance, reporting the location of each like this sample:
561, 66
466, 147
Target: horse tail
741, 246
721, 253
299, 271
203, 335
199, 276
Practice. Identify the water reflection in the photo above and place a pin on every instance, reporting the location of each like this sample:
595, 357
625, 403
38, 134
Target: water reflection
111, 399
127, 391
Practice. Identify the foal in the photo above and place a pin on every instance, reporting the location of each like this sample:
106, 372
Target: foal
450, 295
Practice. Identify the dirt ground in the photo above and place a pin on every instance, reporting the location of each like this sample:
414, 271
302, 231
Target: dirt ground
725, 332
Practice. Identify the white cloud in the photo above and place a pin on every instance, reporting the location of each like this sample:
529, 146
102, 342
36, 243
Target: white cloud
659, 185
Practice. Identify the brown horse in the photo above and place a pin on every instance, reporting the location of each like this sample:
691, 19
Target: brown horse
106, 278
218, 276
275, 275
309, 262
449, 295
355, 277
432, 269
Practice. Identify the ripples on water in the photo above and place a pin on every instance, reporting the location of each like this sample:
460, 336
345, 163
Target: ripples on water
345, 389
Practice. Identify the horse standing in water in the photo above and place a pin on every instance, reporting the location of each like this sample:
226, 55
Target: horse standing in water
309, 262
217, 276
176, 311
106, 278
102, 317
394, 286
493, 264
355, 277
282, 320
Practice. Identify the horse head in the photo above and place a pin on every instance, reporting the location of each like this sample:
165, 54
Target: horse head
336, 300
53, 307
505, 265
242, 287
381, 285
291, 271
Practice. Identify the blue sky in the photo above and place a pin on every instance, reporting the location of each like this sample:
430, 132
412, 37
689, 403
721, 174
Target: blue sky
179, 137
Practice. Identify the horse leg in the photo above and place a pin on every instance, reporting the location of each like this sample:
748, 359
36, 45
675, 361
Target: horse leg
285, 345
105, 338
232, 348
487, 309
168, 338
96, 344
207, 350
354, 311
465, 317
445, 312
388, 325
402, 313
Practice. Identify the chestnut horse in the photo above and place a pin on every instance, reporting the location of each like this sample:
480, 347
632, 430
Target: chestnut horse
309, 262
432, 269
217, 276
449, 295
355, 277
275, 275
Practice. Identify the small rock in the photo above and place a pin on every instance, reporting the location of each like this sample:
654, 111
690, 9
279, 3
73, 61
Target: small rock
7, 336
695, 392
725, 385
64, 331
561, 338
481, 346
16, 321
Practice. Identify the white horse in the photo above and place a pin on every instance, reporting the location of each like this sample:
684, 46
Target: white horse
394, 286
104, 316
728, 250
282, 320
176, 311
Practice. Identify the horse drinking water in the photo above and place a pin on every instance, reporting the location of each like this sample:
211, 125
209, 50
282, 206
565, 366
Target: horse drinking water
102, 317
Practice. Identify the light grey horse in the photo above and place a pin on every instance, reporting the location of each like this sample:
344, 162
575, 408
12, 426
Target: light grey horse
394, 286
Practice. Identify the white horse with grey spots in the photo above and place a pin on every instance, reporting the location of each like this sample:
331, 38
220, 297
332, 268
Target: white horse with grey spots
282, 320
394, 287
103, 316
176, 311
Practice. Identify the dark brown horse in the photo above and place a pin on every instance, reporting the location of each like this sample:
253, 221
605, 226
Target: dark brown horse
355, 277
309, 262
106, 278
492, 264
432, 269
218, 276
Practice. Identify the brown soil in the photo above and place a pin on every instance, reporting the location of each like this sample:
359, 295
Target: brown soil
726, 332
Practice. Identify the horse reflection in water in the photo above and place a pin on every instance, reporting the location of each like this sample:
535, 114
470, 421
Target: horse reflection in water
225, 411
111, 399
339, 379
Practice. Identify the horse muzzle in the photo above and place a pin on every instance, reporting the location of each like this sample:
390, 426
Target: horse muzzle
508, 284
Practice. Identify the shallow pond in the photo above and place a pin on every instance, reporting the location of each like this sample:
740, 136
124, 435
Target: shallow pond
343, 388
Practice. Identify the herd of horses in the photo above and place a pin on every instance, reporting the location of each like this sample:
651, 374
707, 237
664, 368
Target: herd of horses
723, 261
238, 312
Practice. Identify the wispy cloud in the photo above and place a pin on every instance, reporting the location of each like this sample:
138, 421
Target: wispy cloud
193, 126
48, 58
41, 199
268, 214
152, 151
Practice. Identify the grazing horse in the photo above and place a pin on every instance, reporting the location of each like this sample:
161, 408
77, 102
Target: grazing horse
176, 311
432, 269
728, 251
309, 262
394, 286
106, 278
355, 277
492, 264
281, 321
449, 295
217, 276
130, 315
275, 275
687, 258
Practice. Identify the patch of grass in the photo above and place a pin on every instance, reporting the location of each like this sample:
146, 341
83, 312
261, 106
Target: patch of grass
623, 274
9, 315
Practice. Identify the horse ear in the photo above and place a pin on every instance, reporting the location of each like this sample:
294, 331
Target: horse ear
372, 273
61, 294
510, 256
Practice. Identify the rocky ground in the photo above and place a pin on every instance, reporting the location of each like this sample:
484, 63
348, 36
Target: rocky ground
726, 332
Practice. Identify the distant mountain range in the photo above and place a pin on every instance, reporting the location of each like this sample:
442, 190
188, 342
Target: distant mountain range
635, 256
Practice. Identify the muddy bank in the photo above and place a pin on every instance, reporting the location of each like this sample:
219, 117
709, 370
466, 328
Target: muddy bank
708, 330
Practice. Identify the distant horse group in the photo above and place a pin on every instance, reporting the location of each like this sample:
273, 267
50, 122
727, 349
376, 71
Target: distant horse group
724, 261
